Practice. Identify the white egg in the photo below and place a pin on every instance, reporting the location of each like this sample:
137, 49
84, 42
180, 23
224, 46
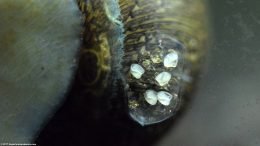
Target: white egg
151, 97
171, 60
163, 78
137, 70
164, 98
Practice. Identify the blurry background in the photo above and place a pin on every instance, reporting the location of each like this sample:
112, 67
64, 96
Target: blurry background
223, 111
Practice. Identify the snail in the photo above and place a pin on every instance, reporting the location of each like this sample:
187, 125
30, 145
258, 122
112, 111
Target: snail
132, 57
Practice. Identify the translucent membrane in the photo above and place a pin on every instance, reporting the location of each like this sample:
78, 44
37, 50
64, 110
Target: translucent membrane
154, 95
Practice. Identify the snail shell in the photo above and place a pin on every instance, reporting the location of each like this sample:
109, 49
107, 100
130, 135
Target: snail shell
143, 46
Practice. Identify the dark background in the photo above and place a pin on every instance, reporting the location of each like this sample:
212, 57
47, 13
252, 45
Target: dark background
226, 106
223, 111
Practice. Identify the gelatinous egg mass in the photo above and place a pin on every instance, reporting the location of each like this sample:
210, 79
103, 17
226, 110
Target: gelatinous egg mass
38, 45
157, 83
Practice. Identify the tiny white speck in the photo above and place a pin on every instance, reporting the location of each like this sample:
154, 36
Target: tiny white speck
171, 60
150, 97
163, 78
160, 43
137, 70
164, 98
